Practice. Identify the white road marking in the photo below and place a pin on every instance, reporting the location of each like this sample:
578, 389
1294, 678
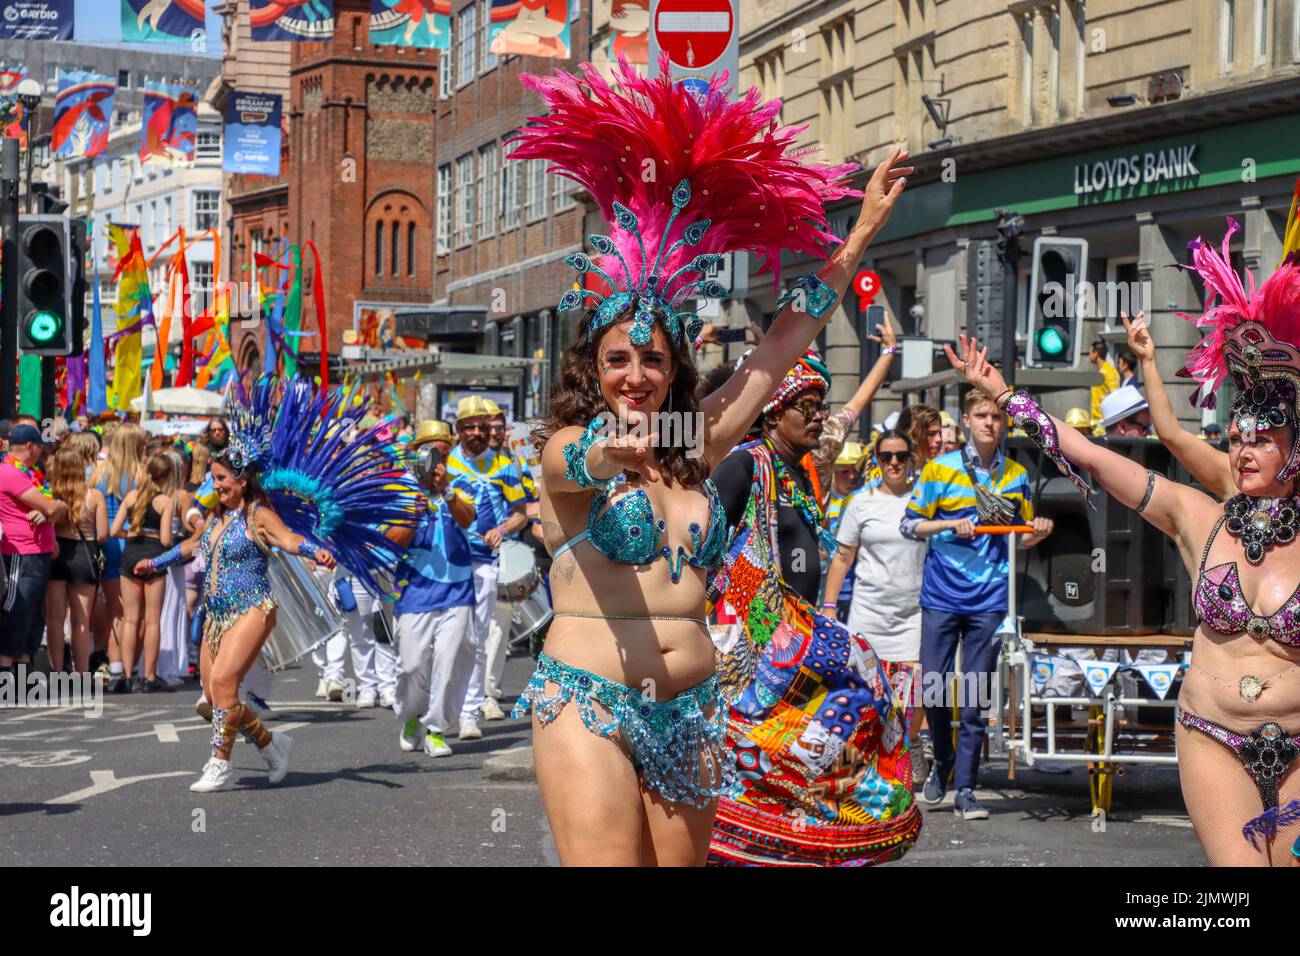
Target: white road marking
166, 733
49, 713
142, 715
1163, 820
104, 781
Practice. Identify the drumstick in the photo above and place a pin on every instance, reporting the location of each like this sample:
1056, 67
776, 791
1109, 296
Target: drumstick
1005, 529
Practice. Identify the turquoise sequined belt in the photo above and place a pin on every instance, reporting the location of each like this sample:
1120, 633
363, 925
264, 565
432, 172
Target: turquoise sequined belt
678, 746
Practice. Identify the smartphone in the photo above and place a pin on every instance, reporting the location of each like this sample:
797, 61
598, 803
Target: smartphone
732, 335
875, 316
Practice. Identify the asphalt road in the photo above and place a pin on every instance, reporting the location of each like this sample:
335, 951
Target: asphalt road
113, 790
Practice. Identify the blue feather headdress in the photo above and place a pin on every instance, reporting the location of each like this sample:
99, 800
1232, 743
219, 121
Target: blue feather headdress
328, 479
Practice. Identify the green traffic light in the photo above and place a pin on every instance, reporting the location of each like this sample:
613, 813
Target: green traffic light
1051, 342
44, 327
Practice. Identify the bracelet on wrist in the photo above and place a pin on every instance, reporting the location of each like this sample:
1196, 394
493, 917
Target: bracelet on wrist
889, 350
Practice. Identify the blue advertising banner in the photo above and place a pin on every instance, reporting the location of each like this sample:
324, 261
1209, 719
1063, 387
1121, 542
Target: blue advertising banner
419, 23
36, 20
162, 21
293, 20
81, 113
251, 143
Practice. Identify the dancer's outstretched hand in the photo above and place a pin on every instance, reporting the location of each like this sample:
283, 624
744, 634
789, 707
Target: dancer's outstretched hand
632, 453
883, 189
975, 365
1140, 342
324, 559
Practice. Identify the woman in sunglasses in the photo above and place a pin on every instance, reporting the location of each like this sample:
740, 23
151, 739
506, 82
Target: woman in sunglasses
886, 607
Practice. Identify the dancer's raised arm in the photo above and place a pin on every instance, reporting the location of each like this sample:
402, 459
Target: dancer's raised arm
1207, 464
1169, 506
730, 410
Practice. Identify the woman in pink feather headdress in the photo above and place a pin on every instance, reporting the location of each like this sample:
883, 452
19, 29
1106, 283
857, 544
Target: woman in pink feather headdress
629, 728
1238, 727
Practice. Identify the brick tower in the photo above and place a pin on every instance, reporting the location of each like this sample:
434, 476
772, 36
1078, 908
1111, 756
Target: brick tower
361, 181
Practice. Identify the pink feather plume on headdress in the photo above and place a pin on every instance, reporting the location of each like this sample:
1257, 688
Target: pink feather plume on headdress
747, 174
1275, 305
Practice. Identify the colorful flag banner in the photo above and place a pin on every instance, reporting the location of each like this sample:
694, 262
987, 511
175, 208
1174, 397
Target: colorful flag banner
162, 21
251, 143
1159, 677
291, 19
170, 123
530, 28
629, 33
1041, 669
1098, 674
37, 19
83, 108
134, 309
11, 108
96, 392
418, 23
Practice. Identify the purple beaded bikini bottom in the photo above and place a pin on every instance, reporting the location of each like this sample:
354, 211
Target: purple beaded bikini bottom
1267, 753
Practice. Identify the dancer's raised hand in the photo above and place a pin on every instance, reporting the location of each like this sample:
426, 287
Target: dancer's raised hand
886, 184
975, 365
632, 452
1140, 342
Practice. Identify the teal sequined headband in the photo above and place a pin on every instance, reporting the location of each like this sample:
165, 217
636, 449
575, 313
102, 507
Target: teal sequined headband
651, 291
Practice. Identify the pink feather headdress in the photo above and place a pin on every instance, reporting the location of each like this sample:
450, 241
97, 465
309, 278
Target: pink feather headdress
1252, 338
682, 179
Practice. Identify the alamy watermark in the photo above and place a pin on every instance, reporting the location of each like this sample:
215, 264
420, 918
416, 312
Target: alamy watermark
1086, 298
667, 429
23, 687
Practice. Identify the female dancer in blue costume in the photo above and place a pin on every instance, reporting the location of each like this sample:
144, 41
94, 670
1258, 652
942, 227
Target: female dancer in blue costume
1239, 707
630, 772
294, 458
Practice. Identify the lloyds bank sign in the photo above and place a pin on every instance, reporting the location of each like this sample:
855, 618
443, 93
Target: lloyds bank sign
1145, 169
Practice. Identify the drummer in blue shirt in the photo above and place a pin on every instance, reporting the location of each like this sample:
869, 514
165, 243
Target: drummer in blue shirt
492, 479
436, 599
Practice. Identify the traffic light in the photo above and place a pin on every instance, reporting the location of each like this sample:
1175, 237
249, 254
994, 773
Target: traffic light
45, 316
1056, 291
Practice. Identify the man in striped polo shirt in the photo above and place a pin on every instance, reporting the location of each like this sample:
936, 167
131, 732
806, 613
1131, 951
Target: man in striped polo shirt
964, 585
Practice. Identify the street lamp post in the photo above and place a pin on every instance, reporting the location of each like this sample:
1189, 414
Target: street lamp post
29, 94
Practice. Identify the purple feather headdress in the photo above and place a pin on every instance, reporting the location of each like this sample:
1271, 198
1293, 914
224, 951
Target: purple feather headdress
1253, 340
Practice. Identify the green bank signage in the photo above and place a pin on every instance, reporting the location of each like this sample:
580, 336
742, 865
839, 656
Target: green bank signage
1243, 152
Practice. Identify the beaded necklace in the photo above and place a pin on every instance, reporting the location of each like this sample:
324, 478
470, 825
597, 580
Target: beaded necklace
35, 474
1261, 523
809, 510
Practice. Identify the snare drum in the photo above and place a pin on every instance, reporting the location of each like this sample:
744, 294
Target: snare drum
306, 617
517, 574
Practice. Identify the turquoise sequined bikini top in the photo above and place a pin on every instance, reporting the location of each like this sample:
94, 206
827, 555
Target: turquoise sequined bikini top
629, 532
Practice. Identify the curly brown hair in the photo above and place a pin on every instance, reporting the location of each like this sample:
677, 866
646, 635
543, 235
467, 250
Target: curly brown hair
576, 398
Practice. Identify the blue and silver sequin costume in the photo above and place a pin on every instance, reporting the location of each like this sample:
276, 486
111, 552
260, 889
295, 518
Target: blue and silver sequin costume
677, 746
237, 578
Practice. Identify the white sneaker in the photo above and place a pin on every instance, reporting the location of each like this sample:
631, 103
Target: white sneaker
491, 710
216, 776
409, 738
469, 729
334, 689
322, 688
366, 699
435, 745
203, 707
276, 755
387, 698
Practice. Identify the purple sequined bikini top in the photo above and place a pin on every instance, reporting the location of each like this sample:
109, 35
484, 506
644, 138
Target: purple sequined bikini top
1221, 605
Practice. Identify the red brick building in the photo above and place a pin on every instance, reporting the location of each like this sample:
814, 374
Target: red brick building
502, 228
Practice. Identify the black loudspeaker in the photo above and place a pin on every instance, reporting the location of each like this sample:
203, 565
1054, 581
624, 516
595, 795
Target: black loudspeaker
1101, 572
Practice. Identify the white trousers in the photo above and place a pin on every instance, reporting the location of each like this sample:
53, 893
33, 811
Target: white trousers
257, 681
330, 658
485, 606
374, 662
436, 658
497, 645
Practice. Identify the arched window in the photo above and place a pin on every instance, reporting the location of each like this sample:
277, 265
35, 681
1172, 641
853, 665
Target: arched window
379, 247
410, 250
396, 234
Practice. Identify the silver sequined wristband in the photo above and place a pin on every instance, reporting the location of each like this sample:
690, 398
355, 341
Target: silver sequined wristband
1151, 487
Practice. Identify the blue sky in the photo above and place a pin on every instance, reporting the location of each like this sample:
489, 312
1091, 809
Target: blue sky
99, 22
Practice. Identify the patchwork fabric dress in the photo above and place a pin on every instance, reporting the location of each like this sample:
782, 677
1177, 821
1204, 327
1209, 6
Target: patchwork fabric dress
817, 723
